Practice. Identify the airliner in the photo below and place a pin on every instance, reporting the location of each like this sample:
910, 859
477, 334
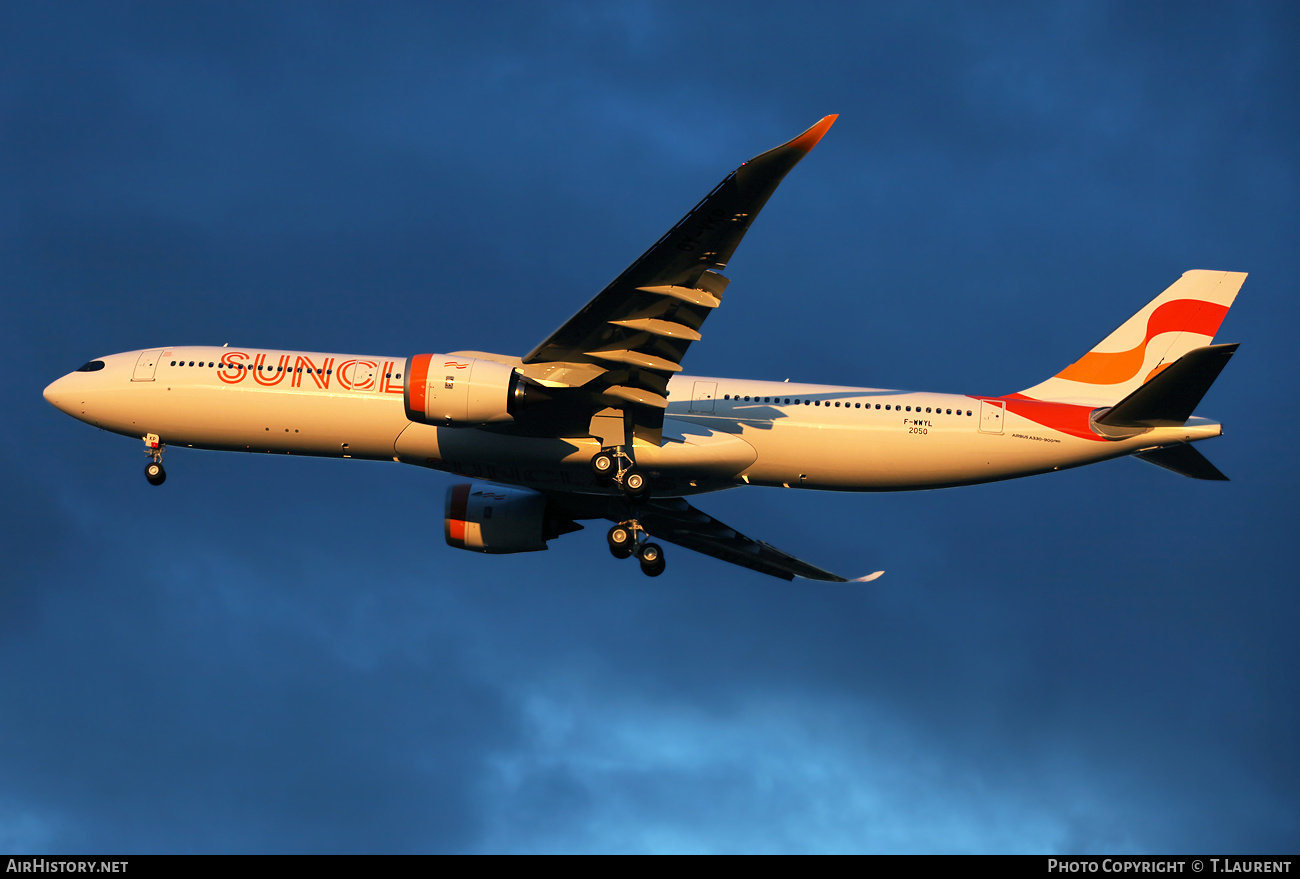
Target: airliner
599, 423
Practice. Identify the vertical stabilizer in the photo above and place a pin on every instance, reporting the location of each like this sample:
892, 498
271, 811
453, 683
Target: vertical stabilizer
1184, 317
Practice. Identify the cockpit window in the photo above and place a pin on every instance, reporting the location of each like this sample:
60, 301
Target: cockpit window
92, 366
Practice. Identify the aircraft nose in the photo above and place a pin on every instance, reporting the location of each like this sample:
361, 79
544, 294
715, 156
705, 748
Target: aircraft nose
59, 394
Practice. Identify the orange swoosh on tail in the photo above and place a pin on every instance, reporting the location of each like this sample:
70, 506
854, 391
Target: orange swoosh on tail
1114, 367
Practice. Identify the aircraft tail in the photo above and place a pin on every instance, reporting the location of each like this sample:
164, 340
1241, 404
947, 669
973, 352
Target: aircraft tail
1182, 318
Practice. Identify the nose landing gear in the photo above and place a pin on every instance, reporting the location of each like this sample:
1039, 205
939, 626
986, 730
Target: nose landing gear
153, 471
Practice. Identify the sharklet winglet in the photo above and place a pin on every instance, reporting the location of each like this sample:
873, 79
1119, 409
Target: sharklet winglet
813, 136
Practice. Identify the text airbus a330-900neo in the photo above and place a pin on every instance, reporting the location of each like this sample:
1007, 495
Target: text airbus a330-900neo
598, 421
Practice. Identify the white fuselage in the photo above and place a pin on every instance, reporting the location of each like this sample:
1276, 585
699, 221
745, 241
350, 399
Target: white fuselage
718, 432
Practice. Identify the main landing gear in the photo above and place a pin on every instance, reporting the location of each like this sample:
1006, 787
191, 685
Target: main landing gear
627, 538
153, 471
616, 466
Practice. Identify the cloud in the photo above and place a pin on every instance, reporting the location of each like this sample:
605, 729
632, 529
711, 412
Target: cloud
278, 654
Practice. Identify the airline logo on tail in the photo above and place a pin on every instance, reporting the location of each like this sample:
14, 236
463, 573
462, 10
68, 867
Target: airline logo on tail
1184, 317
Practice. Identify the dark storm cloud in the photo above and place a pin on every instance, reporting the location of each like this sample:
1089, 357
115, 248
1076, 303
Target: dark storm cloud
281, 655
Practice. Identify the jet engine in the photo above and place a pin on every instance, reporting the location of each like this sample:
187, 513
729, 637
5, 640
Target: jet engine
489, 518
451, 391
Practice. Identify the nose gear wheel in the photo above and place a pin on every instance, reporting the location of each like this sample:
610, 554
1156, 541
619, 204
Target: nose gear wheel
154, 448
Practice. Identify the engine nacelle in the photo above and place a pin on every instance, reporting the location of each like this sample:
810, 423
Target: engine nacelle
489, 518
452, 391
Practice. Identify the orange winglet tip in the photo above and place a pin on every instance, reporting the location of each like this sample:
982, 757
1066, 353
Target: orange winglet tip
810, 138
869, 577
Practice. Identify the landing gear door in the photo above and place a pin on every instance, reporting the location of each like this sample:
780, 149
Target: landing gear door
145, 366
702, 396
992, 415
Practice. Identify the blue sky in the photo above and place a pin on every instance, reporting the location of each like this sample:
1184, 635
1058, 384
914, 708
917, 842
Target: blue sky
282, 655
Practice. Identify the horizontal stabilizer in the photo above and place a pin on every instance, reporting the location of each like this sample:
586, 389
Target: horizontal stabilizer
1168, 399
1184, 459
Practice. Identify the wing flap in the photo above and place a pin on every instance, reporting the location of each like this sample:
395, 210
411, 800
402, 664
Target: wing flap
666, 328
639, 396
686, 294
635, 358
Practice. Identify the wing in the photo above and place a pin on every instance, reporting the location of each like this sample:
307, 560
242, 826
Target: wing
676, 521
625, 344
